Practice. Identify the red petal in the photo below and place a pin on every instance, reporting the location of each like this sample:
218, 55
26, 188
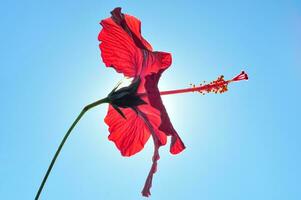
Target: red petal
177, 145
118, 50
123, 48
135, 25
131, 134
154, 117
153, 94
155, 62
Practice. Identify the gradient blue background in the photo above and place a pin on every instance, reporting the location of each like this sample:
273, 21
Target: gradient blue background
244, 144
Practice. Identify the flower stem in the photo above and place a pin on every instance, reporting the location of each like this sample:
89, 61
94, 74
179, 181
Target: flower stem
85, 109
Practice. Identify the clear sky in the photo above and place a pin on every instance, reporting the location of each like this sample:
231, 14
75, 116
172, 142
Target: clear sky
244, 144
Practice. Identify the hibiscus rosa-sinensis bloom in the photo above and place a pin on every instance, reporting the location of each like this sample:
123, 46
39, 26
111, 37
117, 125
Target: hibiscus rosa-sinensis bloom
136, 112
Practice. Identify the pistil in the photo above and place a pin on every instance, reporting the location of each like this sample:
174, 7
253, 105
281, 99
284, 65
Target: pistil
218, 86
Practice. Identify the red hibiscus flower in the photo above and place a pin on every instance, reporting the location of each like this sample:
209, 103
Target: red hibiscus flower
136, 112
124, 49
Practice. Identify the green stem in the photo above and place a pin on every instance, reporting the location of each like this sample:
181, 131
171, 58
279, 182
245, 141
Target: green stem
85, 109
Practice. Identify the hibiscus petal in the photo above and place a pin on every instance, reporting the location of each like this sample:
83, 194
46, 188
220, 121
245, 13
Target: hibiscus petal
154, 117
155, 62
131, 134
176, 145
118, 49
135, 26
155, 100
123, 47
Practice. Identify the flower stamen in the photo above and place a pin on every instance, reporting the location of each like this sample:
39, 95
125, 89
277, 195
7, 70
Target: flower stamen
220, 85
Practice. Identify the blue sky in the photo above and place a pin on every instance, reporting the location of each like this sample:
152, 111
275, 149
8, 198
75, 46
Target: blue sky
244, 144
